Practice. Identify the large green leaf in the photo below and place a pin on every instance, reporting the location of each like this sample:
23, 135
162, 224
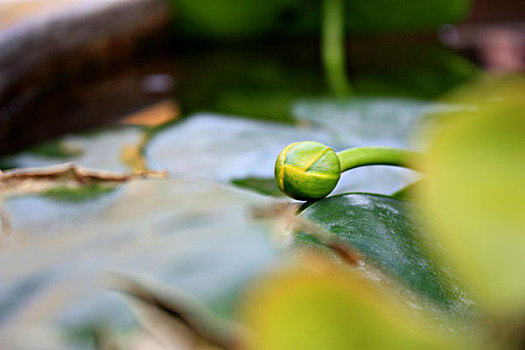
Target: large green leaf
382, 230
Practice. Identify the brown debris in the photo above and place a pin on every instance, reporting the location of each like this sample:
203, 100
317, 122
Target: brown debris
34, 180
290, 222
160, 113
38, 180
348, 255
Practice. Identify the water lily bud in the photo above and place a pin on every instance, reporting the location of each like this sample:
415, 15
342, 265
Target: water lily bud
307, 170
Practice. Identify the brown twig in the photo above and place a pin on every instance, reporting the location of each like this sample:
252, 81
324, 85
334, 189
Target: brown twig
33, 180
79, 173
38, 180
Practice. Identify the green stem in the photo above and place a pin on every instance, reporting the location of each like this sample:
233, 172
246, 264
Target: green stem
361, 156
333, 48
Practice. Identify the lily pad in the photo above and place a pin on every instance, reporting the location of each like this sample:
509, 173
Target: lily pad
262, 185
197, 236
225, 148
382, 230
356, 122
222, 148
100, 150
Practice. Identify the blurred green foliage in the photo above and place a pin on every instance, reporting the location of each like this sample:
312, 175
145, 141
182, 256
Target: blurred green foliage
265, 84
248, 82
241, 19
369, 16
329, 308
421, 71
474, 192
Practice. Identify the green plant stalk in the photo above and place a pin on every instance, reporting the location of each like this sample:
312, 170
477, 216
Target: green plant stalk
361, 156
333, 49
309, 170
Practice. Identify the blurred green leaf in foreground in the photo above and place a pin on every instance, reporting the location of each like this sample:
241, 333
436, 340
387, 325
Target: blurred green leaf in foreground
325, 308
475, 190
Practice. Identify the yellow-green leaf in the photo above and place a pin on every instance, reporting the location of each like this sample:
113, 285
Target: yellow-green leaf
475, 192
302, 309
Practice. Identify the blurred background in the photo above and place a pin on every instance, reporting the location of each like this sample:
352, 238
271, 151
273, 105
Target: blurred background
63, 61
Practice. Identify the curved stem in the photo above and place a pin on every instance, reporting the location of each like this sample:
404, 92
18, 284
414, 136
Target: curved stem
333, 49
361, 156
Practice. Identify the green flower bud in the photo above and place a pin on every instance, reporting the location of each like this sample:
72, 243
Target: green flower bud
307, 170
